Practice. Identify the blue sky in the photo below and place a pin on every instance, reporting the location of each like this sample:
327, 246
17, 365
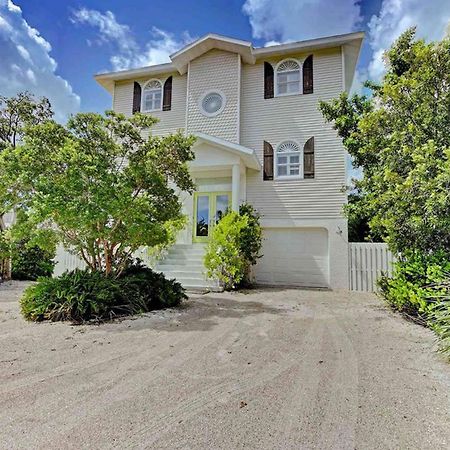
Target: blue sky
53, 47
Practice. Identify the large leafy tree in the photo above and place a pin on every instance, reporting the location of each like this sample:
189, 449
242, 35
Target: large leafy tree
17, 113
99, 185
400, 136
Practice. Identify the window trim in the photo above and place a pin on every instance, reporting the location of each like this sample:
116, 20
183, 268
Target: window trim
204, 95
143, 92
300, 175
300, 81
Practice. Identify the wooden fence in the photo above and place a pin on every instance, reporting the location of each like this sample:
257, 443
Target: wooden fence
367, 261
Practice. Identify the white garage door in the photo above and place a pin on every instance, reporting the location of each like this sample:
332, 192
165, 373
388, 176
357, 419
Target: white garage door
294, 256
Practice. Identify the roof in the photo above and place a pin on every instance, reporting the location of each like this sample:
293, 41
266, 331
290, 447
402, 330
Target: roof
351, 44
247, 155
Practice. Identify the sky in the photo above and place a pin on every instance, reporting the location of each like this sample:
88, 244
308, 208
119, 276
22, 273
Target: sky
54, 47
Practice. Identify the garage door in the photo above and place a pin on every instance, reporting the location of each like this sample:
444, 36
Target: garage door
294, 256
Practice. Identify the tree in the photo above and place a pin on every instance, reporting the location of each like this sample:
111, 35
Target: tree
401, 139
99, 186
16, 113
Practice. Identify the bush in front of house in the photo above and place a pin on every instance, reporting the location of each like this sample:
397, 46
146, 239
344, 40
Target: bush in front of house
30, 263
83, 295
234, 247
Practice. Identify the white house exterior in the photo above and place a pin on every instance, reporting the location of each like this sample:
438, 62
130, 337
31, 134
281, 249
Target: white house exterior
261, 139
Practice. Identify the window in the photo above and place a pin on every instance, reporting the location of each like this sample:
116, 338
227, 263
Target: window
288, 77
212, 103
289, 160
152, 96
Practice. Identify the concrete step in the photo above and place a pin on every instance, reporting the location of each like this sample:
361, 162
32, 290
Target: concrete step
179, 266
183, 274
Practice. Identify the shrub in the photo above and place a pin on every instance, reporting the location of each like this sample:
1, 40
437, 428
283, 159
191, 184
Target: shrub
30, 263
439, 320
83, 295
420, 288
234, 247
408, 290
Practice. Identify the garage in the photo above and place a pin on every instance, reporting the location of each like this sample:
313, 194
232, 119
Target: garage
294, 257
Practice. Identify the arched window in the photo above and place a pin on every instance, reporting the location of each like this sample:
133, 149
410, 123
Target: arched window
152, 96
289, 160
288, 79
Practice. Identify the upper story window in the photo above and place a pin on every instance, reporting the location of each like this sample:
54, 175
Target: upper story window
289, 160
152, 96
288, 77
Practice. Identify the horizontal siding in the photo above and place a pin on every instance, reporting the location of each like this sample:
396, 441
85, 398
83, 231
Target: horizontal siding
215, 69
295, 117
169, 121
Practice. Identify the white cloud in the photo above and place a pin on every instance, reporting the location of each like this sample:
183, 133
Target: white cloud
128, 52
294, 20
431, 18
27, 65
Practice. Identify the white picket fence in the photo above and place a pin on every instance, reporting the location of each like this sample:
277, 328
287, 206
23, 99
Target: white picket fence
68, 261
367, 261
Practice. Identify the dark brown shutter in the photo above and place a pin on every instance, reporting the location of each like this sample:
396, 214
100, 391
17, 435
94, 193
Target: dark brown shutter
137, 97
308, 87
268, 162
167, 96
268, 80
308, 158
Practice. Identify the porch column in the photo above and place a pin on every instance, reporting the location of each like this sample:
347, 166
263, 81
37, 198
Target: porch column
235, 186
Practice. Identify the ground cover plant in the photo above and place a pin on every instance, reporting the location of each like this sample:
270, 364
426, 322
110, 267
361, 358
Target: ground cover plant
86, 295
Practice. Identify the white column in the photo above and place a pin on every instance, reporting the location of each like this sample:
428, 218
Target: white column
235, 186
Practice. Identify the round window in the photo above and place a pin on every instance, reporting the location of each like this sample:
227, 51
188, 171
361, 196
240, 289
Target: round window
212, 103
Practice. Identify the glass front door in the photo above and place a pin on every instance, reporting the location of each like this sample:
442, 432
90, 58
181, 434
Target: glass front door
209, 208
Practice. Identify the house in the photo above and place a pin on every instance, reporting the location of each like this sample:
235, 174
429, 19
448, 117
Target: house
260, 139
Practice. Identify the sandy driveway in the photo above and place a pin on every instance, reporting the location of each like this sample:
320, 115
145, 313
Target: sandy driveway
270, 369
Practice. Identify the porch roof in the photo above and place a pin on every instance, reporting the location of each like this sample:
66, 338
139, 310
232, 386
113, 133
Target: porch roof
247, 155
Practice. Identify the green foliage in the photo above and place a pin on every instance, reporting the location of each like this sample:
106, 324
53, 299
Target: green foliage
99, 185
234, 247
401, 140
439, 316
409, 288
31, 262
358, 221
223, 259
84, 295
420, 288
16, 113
250, 240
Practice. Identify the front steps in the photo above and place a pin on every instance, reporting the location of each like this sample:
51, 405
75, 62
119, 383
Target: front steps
185, 263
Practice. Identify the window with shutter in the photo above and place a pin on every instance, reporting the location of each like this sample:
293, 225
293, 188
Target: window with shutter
308, 158
288, 81
308, 86
136, 98
268, 162
288, 162
167, 95
268, 80
152, 96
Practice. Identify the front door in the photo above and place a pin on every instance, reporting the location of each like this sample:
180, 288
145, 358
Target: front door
209, 208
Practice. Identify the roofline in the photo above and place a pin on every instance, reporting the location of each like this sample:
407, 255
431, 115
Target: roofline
246, 153
210, 36
107, 79
329, 41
